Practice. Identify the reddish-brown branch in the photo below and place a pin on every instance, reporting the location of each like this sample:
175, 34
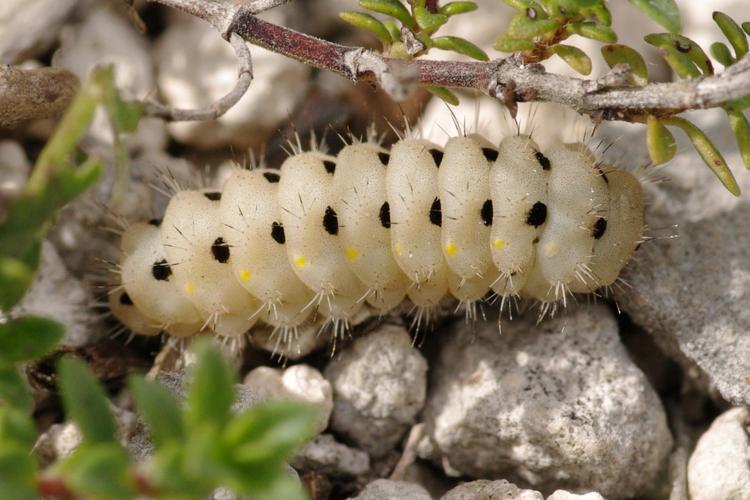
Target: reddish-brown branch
510, 79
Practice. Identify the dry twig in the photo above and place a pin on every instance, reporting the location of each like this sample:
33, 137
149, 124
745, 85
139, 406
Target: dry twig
507, 79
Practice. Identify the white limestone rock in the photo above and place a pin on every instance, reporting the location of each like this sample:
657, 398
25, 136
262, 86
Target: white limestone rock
301, 383
558, 405
379, 386
719, 468
196, 67
385, 489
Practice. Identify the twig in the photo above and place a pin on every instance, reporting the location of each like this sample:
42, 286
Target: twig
218, 108
508, 79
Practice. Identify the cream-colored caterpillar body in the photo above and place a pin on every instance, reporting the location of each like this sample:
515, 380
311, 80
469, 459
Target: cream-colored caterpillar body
325, 235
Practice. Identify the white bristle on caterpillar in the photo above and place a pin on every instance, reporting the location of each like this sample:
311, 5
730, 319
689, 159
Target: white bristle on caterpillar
326, 234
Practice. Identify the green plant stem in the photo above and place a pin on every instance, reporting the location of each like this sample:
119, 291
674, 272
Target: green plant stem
73, 125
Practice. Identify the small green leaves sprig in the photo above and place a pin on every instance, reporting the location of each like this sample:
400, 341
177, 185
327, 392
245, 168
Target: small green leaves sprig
198, 446
409, 30
689, 60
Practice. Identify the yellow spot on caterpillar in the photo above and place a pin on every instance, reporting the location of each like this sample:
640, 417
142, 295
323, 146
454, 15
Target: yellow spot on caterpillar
351, 253
397, 248
451, 248
189, 288
245, 275
499, 243
300, 261
551, 249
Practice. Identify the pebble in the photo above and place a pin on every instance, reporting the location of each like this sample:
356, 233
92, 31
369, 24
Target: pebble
325, 455
385, 489
558, 405
483, 488
718, 468
301, 383
379, 386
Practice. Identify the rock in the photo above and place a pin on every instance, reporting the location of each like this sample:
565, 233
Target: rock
718, 468
196, 67
385, 489
566, 495
107, 38
690, 292
60, 440
29, 27
483, 488
15, 168
379, 386
325, 455
297, 383
56, 294
558, 405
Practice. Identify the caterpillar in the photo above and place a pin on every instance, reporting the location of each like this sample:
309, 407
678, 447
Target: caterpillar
326, 234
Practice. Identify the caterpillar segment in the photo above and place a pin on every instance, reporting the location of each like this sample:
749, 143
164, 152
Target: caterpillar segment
324, 235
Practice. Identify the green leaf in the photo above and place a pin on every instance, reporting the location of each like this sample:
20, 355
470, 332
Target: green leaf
159, 409
679, 55
733, 32
16, 427
17, 471
660, 141
453, 8
741, 129
595, 31
268, 434
622, 54
721, 53
123, 115
15, 278
706, 149
211, 390
393, 8
369, 23
664, 12
443, 93
100, 471
461, 46
85, 402
746, 27
13, 389
428, 21
393, 30
575, 57
522, 27
505, 43
28, 338
519, 4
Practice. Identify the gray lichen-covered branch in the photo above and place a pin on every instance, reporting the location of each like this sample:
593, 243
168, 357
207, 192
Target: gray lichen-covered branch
510, 79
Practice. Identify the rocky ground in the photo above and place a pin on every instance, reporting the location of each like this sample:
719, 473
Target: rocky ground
641, 396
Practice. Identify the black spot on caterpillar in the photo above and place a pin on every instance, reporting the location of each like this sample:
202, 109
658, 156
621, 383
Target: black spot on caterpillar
220, 250
599, 227
436, 215
331, 222
213, 195
486, 212
277, 233
490, 154
271, 177
385, 215
384, 158
543, 160
330, 166
437, 155
537, 215
161, 271
126, 300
